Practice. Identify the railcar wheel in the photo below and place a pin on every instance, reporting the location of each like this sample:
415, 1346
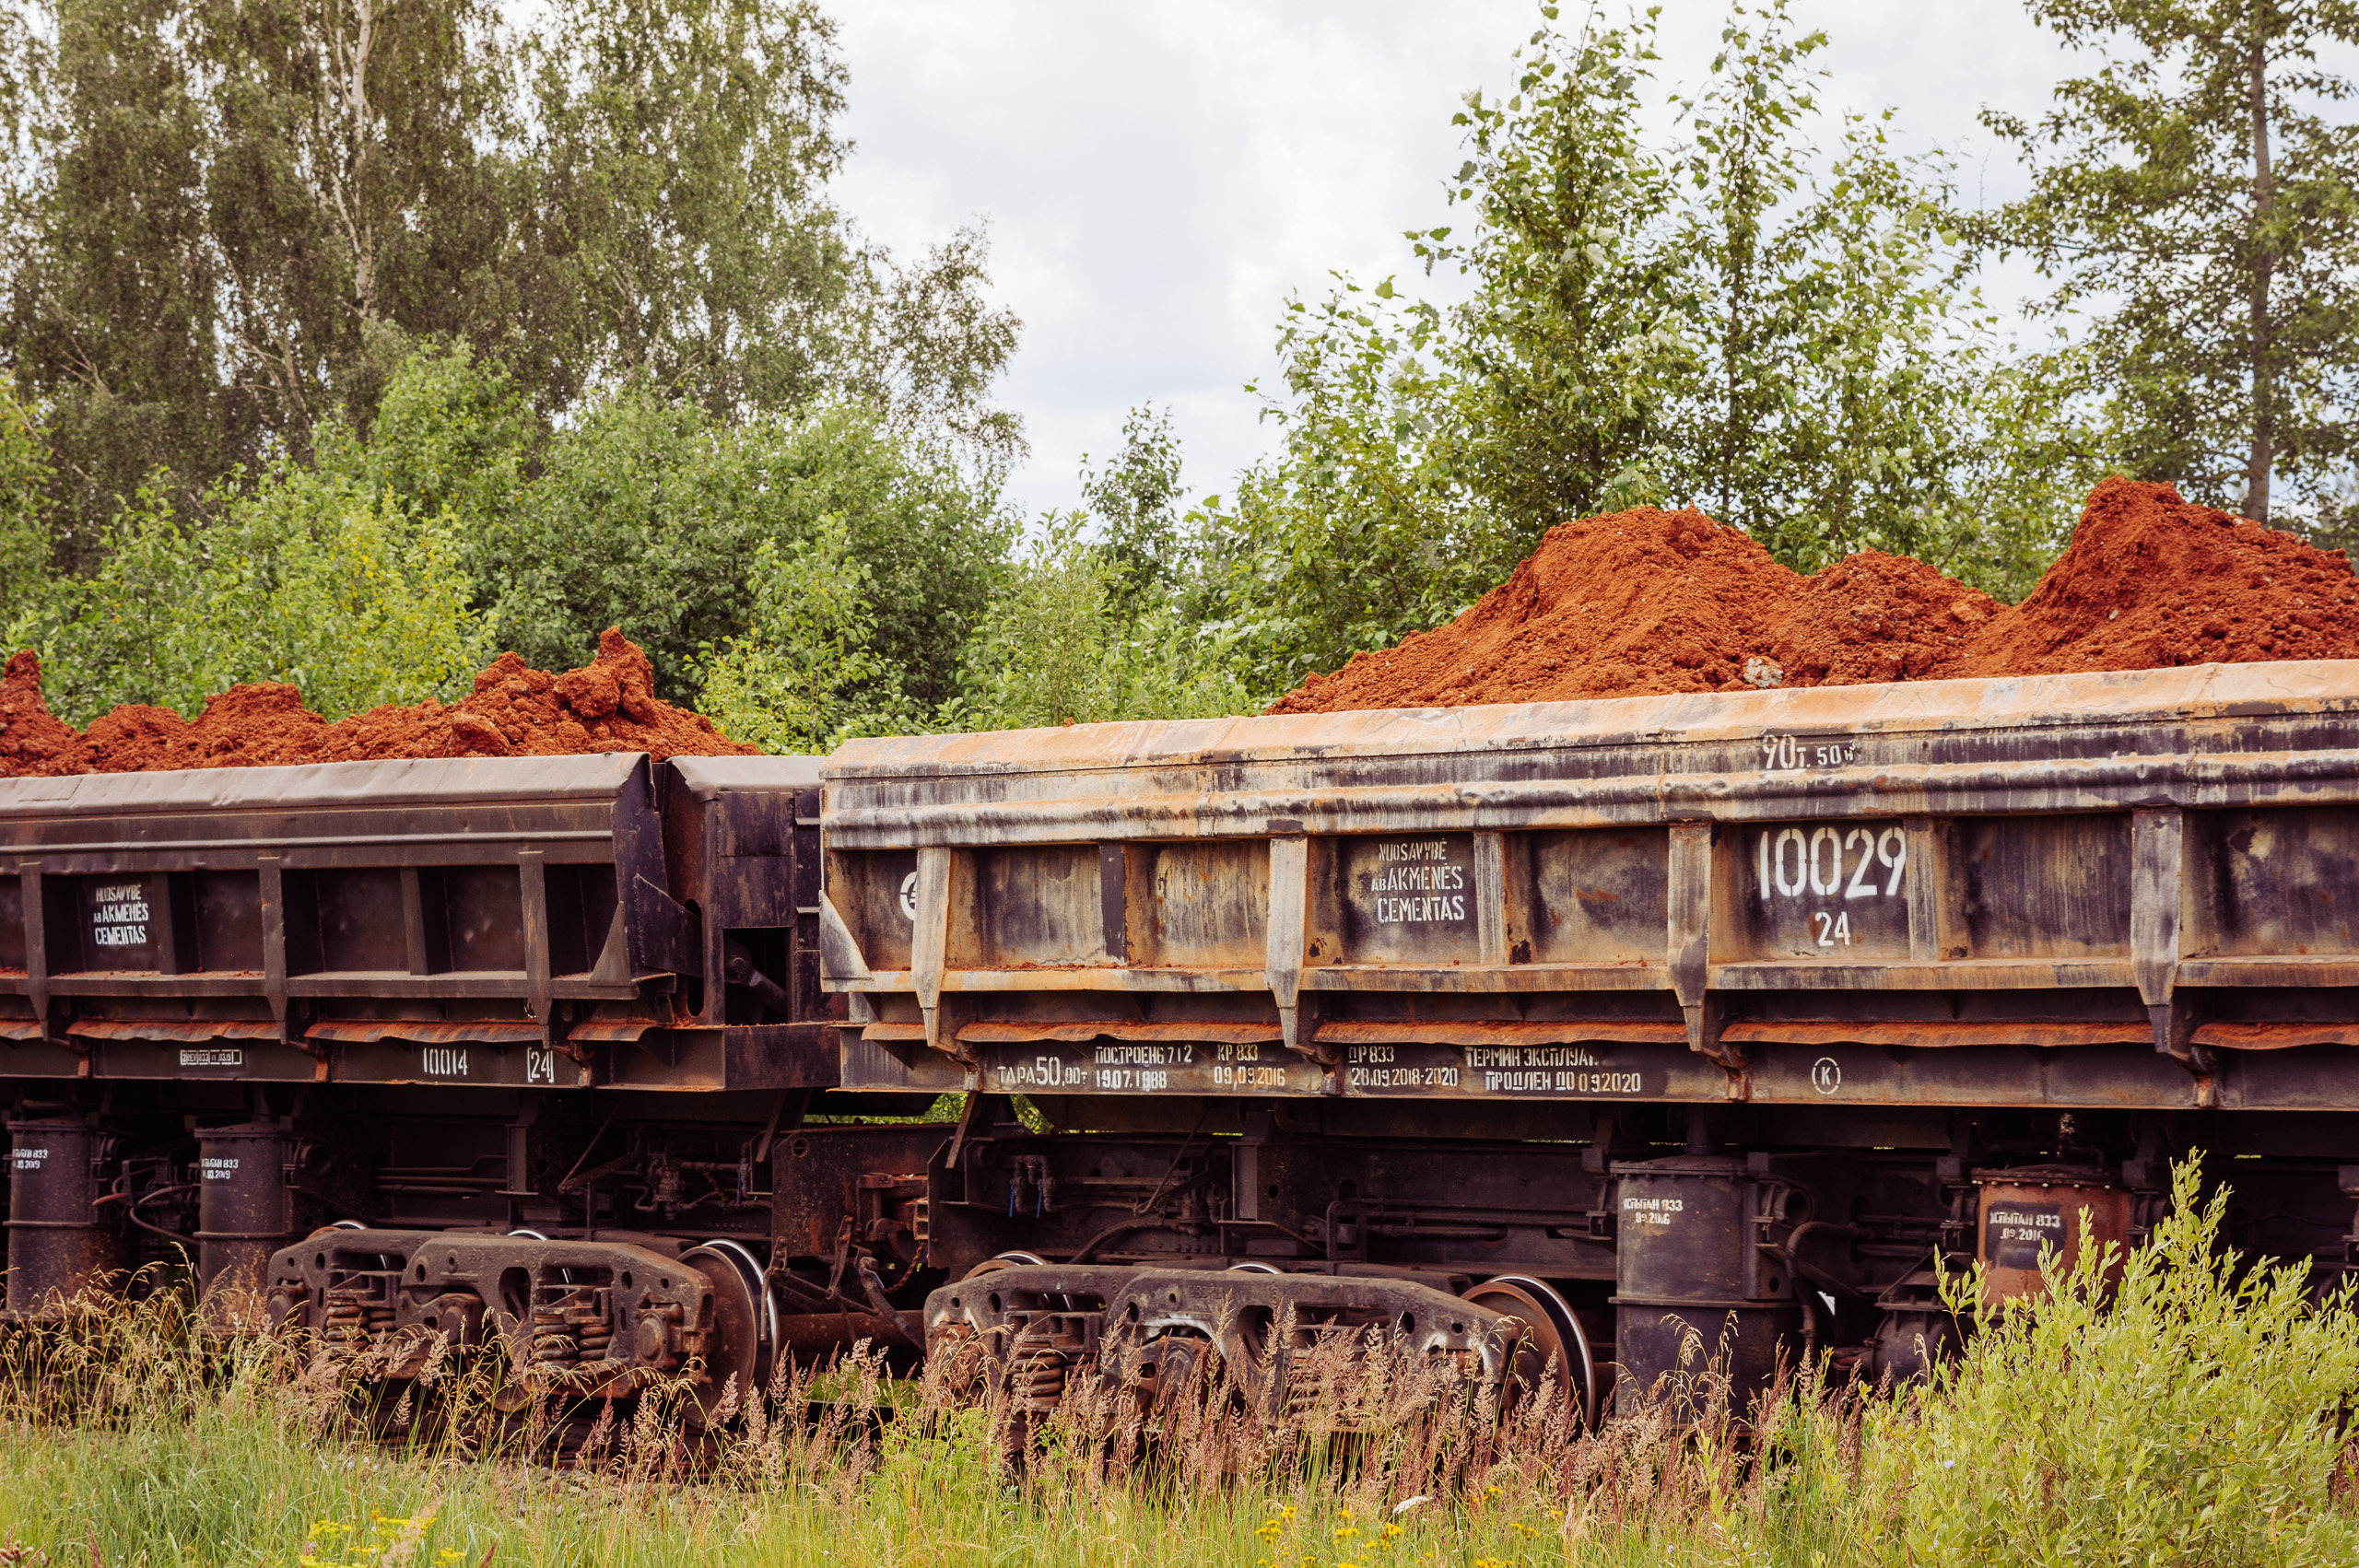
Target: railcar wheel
772, 1332
998, 1261
1173, 1367
1553, 1332
734, 1350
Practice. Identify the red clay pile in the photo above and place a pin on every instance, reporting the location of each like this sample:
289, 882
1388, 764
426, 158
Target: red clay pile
608, 705
1644, 602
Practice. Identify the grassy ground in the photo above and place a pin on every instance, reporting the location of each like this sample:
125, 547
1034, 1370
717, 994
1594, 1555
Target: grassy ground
225, 1491
2192, 1412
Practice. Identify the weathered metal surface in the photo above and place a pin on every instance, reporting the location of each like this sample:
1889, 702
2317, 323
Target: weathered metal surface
1037, 1324
183, 1031
2109, 891
538, 922
2047, 743
2026, 1213
60, 1241
425, 1032
602, 1315
1702, 1295
244, 1211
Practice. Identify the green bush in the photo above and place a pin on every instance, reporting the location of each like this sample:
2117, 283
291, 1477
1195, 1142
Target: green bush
354, 598
1071, 641
784, 685
2189, 1412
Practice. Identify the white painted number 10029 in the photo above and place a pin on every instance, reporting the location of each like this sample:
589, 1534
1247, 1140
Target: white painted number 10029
1792, 861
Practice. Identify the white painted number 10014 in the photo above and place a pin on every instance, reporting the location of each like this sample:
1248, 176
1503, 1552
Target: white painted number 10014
1831, 862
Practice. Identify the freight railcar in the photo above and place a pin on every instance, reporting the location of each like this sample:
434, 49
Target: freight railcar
489, 1047
1728, 1020
1654, 1023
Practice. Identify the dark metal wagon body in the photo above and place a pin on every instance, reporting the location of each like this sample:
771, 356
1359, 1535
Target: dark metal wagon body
1730, 1020
1717, 1015
2124, 890
512, 921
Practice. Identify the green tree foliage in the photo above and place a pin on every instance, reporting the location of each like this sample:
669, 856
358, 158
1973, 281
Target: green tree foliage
1102, 617
1136, 502
792, 681
450, 435
805, 573
684, 237
24, 506
1836, 357
1358, 531
356, 601
683, 151
2194, 195
1768, 317
650, 515
1566, 359
113, 296
228, 221
1068, 642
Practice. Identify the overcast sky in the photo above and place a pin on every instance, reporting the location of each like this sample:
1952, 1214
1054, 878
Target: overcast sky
1157, 178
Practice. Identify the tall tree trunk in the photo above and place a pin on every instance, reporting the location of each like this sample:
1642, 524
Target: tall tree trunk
347, 165
1736, 342
2264, 387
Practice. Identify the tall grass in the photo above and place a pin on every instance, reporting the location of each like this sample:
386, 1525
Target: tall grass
2189, 1411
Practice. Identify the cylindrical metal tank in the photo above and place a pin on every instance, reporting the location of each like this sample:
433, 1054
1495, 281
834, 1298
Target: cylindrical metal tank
1695, 1296
60, 1241
2022, 1211
244, 1213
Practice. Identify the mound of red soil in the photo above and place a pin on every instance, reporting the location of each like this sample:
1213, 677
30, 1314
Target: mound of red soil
32, 739
608, 705
1646, 603
1875, 617
1635, 602
2150, 580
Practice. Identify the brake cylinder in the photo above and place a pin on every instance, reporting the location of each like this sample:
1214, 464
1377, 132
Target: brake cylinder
2024, 1211
1697, 1295
244, 1213
60, 1241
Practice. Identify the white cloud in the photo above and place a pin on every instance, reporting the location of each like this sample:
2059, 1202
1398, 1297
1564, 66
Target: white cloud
1157, 178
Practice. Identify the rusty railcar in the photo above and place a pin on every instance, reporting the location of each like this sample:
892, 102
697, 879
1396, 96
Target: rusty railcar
566, 1009
1570, 1035
1729, 1017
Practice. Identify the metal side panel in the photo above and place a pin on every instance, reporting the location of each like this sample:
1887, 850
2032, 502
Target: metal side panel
2120, 889
260, 921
